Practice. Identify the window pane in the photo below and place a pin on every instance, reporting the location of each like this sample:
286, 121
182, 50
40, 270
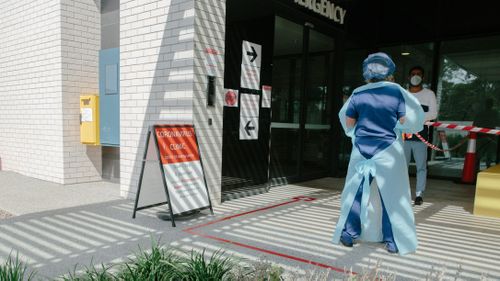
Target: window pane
469, 93
287, 69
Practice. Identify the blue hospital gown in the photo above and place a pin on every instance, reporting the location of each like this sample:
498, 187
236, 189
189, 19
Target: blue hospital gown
378, 153
377, 111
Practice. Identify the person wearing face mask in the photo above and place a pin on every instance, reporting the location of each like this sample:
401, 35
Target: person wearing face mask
412, 144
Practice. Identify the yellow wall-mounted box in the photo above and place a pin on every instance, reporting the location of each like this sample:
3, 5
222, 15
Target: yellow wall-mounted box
89, 119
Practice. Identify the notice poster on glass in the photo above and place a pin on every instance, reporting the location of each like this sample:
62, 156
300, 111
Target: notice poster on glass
266, 96
250, 65
249, 116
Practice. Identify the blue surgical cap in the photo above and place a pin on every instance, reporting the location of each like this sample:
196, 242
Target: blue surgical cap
378, 66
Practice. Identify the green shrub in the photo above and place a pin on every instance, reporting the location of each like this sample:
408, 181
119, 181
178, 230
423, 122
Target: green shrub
15, 270
198, 268
167, 264
157, 264
91, 273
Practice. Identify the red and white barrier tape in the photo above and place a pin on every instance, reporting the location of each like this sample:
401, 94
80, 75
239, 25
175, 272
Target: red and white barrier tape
456, 127
432, 146
464, 128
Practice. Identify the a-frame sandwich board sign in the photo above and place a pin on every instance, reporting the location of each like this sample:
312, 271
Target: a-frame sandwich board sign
183, 179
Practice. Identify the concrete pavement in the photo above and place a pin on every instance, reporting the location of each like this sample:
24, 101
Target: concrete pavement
283, 226
21, 195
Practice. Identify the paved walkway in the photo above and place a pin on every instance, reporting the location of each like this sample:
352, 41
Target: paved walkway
21, 195
285, 226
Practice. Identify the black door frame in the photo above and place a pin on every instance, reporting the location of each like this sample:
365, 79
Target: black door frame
334, 80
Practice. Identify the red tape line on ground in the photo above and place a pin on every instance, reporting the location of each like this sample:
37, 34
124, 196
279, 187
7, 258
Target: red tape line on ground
295, 199
191, 230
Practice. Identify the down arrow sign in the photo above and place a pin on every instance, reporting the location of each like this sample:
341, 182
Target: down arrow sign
253, 53
248, 128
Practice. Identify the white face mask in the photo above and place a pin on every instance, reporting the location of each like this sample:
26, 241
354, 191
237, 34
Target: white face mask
415, 80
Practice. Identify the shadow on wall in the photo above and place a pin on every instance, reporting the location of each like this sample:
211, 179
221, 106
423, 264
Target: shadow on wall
176, 90
209, 34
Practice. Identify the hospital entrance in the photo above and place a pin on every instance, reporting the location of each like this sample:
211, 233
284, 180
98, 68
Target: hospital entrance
295, 134
310, 64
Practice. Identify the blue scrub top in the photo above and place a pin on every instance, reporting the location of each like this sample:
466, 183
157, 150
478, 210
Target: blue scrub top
377, 111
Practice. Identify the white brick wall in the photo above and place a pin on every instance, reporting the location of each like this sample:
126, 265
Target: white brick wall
156, 75
81, 36
31, 135
40, 78
209, 34
162, 80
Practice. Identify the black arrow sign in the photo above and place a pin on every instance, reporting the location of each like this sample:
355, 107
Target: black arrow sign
253, 53
248, 128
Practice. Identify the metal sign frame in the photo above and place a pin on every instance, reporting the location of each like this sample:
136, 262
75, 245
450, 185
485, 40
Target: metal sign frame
152, 130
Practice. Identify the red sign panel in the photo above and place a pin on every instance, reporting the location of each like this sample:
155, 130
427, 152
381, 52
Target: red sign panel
177, 144
231, 98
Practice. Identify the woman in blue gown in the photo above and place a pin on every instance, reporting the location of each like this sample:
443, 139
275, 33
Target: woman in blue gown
376, 200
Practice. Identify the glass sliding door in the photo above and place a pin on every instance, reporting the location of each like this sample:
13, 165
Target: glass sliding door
468, 93
301, 103
318, 96
287, 77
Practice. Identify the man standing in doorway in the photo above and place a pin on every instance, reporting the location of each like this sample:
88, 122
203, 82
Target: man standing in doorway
413, 145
